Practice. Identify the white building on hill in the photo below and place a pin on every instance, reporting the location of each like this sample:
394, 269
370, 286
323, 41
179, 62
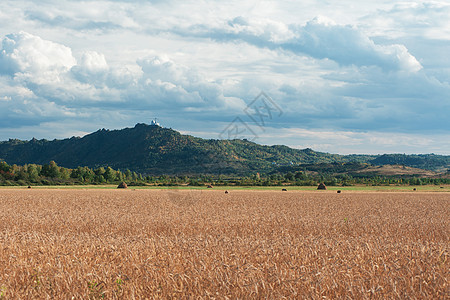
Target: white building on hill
154, 123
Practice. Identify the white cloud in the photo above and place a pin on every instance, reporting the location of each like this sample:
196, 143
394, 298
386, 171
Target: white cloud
22, 107
424, 19
91, 69
50, 71
365, 65
163, 82
320, 38
348, 45
93, 62
351, 142
52, 76
30, 55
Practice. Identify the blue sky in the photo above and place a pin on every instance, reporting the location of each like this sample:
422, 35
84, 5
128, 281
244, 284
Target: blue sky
337, 76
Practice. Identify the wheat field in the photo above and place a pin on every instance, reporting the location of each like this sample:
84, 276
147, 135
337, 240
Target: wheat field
137, 244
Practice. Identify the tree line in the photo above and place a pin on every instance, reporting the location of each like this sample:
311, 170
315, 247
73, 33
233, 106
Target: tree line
52, 174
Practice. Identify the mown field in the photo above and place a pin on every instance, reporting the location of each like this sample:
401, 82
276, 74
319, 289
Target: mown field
361, 188
125, 244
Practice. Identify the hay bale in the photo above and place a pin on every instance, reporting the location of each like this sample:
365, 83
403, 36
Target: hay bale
122, 185
322, 186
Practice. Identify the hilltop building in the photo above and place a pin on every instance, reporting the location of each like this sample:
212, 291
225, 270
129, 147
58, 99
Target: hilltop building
155, 123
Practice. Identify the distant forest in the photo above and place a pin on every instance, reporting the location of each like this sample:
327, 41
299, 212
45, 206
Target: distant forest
159, 151
52, 174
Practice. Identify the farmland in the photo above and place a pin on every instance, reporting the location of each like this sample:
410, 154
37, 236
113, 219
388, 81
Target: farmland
207, 244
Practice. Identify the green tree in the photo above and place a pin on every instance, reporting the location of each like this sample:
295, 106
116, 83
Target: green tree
88, 175
21, 173
289, 176
99, 171
33, 173
135, 176
51, 170
110, 175
128, 175
4, 166
64, 173
119, 176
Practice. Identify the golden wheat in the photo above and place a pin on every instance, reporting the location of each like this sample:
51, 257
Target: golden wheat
206, 244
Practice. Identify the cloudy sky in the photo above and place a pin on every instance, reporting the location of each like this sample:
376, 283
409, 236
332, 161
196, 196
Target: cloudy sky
337, 76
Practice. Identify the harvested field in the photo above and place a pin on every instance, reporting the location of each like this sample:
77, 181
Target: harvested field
207, 244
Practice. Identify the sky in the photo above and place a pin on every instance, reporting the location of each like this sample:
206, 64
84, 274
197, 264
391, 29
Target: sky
342, 76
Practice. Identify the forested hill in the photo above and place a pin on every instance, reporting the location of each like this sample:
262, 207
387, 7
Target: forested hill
421, 161
156, 150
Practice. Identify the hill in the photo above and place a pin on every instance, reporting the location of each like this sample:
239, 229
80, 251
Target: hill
155, 150
421, 161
